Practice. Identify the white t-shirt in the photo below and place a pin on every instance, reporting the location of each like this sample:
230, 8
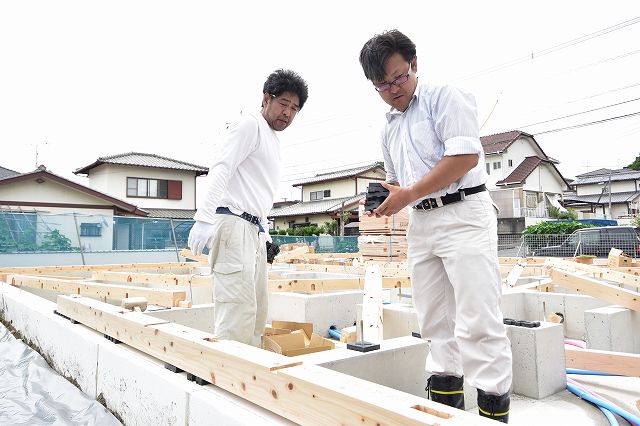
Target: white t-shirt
246, 170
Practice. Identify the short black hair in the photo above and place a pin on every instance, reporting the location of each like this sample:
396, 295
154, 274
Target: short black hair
281, 81
376, 51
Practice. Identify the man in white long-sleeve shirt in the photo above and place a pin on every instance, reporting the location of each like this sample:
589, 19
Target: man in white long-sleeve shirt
231, 222
435, 164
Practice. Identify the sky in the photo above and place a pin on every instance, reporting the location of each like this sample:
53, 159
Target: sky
84, 79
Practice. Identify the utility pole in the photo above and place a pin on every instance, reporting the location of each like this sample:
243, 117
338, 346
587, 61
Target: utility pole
610, 212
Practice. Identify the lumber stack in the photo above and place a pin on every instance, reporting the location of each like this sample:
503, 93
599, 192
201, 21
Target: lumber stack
383, 238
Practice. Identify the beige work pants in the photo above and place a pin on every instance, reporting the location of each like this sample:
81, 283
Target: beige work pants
239, 268
456, 282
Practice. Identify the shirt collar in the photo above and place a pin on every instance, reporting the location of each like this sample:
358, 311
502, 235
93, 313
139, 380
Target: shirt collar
393, 113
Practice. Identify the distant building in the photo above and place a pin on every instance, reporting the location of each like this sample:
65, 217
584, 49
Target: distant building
164, 187
523, 181
606, 193
326, 196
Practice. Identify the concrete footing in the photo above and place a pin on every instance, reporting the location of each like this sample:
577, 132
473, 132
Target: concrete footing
613, 328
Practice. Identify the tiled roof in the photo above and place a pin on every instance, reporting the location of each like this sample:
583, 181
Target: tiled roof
616, 197
520, 173
524, 169
497, 143
602, 175
144, 160
340, 174
171, 213
42, 173
5, 173
328, 206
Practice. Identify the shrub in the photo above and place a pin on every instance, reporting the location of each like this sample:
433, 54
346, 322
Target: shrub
544, 233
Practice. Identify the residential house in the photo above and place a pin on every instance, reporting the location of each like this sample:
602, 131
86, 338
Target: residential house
164, 187
523, 180
36, 204
606, 193
327, 196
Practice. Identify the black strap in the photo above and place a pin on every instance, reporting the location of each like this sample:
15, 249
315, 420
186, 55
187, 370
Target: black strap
432, 203
246, 216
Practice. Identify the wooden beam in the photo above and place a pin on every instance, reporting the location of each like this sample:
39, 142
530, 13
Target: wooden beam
605, 273
521, 260
313, 285
188, 254
149, 278
54, 270
606, 361
154, 296
610, 293
305, 394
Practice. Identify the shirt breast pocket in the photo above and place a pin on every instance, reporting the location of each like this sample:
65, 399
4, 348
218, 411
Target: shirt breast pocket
424, 140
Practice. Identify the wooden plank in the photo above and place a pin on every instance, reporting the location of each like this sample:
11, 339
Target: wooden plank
372, 324
286, 256
150, 278
606, 361
313, 285
188, 254
154, 296
305, 394
54, 270
522, 260
592, 287
606, 273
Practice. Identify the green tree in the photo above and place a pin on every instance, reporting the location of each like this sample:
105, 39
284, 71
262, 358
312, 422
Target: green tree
55, 241
635, 165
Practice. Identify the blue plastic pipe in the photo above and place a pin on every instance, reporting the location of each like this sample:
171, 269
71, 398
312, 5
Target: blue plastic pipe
334, 332
604, 404
590, 372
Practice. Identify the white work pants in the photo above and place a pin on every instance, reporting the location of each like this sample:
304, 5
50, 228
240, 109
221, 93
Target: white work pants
455, 277
239, 267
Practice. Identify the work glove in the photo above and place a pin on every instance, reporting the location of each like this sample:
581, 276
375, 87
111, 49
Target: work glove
200, 236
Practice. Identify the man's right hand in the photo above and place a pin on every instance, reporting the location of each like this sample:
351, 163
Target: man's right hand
200, 236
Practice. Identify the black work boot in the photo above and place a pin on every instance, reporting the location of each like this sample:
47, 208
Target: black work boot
495, 407
446, 390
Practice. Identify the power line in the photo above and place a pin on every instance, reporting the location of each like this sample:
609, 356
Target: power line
577, 113
543, 52
591, 123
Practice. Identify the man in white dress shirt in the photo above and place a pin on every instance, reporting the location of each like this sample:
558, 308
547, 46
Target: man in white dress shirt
231, 221
435, 165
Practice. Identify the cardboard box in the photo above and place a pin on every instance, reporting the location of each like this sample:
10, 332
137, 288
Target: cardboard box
618, 259
293, 338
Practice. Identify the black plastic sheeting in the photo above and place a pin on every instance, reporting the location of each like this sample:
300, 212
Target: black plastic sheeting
31, 393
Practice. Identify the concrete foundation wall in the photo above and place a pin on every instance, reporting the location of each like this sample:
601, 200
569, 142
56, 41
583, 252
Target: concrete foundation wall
133, 385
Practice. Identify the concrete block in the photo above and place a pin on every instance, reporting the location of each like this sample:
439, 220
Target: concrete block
214, 406
399, 320
323, 310
398, 364
537, 307
612, 328
199, 317
72, 350
139, 389
538, 360
513, 305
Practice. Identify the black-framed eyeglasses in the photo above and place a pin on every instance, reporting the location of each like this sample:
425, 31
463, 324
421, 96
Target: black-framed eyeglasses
286, 104
397, 82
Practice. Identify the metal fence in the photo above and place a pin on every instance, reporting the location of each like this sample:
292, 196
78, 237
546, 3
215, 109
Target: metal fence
38, 233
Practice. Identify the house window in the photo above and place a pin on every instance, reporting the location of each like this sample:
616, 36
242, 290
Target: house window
90, 230
154, 188
488, 168
316, 195
496, 165
510, 163
327, 193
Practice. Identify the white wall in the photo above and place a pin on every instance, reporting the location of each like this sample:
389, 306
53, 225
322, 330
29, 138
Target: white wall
372, 176
616, 186
112, 179
517, 152
339, 188
46, 192
544, 179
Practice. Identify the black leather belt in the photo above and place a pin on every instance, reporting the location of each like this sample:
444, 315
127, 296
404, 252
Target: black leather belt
434, 203
246, 216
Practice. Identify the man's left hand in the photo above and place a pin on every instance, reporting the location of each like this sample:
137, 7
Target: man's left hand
399, 198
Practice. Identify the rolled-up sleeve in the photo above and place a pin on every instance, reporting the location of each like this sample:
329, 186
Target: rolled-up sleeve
386, 156
456, 121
